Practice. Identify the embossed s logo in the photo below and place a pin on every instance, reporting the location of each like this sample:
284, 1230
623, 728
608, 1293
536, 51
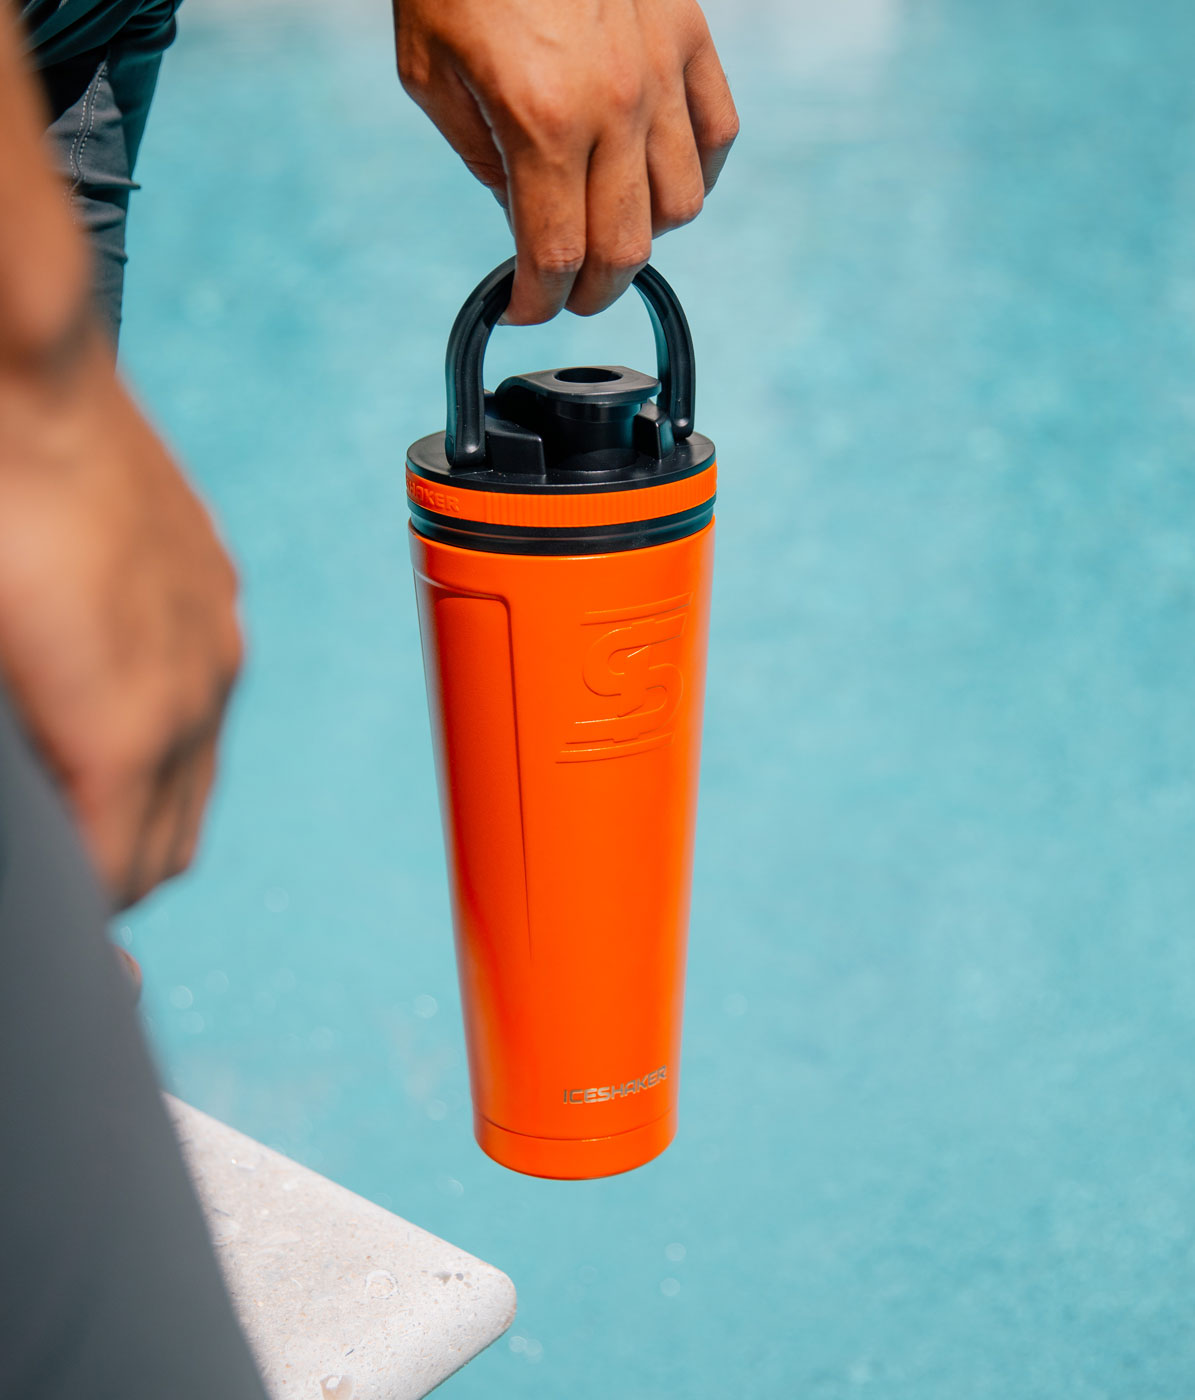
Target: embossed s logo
623, 665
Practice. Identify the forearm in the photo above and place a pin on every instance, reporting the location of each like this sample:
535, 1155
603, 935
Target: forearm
44, 268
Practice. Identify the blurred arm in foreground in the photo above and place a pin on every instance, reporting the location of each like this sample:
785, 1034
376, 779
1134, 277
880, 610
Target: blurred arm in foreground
119, 639
118, 643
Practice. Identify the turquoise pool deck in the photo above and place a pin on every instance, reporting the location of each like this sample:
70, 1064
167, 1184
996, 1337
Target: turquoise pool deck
938, 1108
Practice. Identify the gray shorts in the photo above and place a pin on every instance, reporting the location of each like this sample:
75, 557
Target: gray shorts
99, 61
108, 1284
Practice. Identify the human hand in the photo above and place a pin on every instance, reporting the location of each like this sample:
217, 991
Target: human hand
119, 640
596, 123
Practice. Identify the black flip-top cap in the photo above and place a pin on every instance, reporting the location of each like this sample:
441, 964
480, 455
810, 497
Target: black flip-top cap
465, 439
584, 419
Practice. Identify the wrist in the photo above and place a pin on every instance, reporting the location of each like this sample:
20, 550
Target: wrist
57, 392
47, 322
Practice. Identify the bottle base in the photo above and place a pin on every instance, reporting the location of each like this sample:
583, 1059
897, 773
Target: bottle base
575, 1159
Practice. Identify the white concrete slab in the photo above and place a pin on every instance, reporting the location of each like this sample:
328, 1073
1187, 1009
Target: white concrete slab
340, 1299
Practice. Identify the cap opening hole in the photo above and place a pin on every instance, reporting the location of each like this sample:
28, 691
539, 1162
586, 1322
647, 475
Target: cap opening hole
587, 374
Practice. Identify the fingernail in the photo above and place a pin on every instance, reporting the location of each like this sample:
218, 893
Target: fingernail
504, 320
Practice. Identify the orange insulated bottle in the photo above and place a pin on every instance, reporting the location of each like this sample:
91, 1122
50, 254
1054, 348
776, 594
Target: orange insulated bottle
562, 539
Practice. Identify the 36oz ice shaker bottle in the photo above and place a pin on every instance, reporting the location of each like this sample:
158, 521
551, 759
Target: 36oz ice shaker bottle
562, 540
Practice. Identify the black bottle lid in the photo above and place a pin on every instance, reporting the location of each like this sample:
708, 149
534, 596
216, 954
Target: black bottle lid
576, 424
576, 431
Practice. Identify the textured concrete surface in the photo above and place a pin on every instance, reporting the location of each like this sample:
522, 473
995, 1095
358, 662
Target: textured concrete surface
341, 1300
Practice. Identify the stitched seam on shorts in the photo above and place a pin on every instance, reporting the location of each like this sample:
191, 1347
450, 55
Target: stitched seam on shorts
86, 125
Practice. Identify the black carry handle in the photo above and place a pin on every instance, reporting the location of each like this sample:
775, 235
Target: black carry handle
464, 442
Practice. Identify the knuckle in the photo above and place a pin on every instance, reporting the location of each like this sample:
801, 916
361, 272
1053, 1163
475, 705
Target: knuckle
627, 257
557, 260
725, 129
624, 92
677, 210
548, 115
183, 856
414, 72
